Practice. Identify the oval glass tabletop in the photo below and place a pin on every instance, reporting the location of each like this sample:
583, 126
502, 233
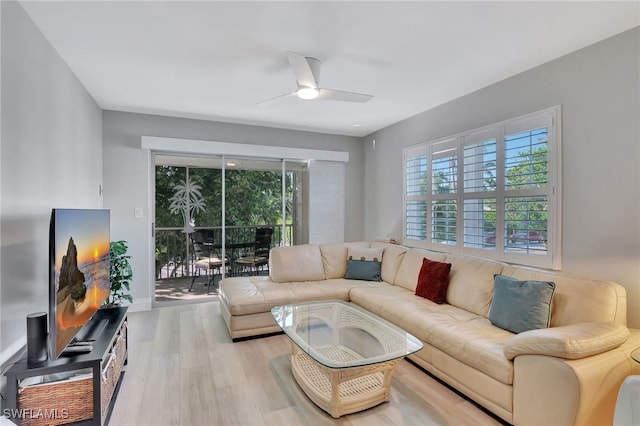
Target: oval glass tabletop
339, 334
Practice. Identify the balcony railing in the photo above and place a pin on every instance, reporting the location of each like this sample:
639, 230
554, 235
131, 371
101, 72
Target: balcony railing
174, 253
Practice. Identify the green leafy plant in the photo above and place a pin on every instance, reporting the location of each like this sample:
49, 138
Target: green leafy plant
120, 274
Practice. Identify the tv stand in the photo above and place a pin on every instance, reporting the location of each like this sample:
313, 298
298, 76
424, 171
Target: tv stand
93, 378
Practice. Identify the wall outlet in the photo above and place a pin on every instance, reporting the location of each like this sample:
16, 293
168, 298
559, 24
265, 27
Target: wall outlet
137, 212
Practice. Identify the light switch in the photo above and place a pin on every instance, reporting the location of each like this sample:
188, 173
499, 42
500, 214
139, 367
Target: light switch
137, 212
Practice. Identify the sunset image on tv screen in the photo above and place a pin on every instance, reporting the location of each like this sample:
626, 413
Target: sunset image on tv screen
81, 269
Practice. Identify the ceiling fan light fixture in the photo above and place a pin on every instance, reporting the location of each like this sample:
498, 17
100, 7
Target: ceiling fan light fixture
307, 73
307, 93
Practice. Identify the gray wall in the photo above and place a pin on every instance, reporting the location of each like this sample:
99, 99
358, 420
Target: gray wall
51, 157
598, 88
127, 175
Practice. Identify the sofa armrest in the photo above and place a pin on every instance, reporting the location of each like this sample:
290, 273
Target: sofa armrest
570, 342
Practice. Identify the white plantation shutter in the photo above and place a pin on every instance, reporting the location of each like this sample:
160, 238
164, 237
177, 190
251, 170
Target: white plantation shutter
492, 192
479, 194
527, 189
415, 194
444, 192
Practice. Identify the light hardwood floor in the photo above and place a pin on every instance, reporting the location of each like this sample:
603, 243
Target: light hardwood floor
183, 369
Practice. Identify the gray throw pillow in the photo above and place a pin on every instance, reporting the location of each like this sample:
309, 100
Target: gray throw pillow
519, 306
364, 263
368, 270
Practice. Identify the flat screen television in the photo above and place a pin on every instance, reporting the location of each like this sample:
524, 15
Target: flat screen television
79, 272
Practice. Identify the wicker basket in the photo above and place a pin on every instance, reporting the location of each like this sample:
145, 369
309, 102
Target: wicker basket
113, 368
56, 403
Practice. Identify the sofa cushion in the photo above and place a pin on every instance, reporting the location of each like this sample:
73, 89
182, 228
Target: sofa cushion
471, 283
475, 342
407, 276
373, 299
243, 295
337, 288
296, 263
257, 294
520, 306
433, 280
364, 264
577, 300
393, 255
461, 334
334, 258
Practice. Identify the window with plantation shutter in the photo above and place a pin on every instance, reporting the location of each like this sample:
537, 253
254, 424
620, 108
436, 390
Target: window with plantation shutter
492, 192
526, 187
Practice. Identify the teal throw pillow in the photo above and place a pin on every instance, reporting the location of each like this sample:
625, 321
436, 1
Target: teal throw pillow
367, 270
519, 306
364, 264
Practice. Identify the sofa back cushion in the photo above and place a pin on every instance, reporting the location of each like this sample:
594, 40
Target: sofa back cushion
393, 255
578, 300
407, 275
471, 283
334, 258
296, 263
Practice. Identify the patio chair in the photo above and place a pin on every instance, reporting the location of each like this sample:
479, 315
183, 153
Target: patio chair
205, 258
258, 258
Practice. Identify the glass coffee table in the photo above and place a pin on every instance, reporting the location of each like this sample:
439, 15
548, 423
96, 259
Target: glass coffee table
343, 356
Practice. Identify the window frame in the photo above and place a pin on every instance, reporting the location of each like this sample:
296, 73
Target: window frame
550, 119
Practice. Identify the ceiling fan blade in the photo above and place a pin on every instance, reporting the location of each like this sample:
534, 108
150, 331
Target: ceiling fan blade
274, 99
339, 95
302, 70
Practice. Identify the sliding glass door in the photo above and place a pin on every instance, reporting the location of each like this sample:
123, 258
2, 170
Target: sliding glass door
230, 199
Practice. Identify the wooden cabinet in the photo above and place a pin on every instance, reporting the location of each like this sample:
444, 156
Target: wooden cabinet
76, 388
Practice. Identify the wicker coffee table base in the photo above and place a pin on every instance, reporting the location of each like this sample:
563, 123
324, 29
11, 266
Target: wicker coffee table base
340, 391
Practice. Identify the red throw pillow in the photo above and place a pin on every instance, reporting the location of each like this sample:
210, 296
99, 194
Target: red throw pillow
433, 280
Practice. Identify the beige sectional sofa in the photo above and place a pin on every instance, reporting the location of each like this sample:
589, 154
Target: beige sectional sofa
568, 374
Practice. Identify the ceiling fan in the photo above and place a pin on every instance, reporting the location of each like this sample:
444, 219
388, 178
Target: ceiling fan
307, 72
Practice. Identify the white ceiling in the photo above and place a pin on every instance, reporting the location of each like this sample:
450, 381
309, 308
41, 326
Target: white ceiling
218, 60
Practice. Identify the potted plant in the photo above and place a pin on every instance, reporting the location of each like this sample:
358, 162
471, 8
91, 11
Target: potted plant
120, 274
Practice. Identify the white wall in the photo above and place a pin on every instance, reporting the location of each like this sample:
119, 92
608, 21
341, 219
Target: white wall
326, 188
51, 154
127, 173
599, 90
